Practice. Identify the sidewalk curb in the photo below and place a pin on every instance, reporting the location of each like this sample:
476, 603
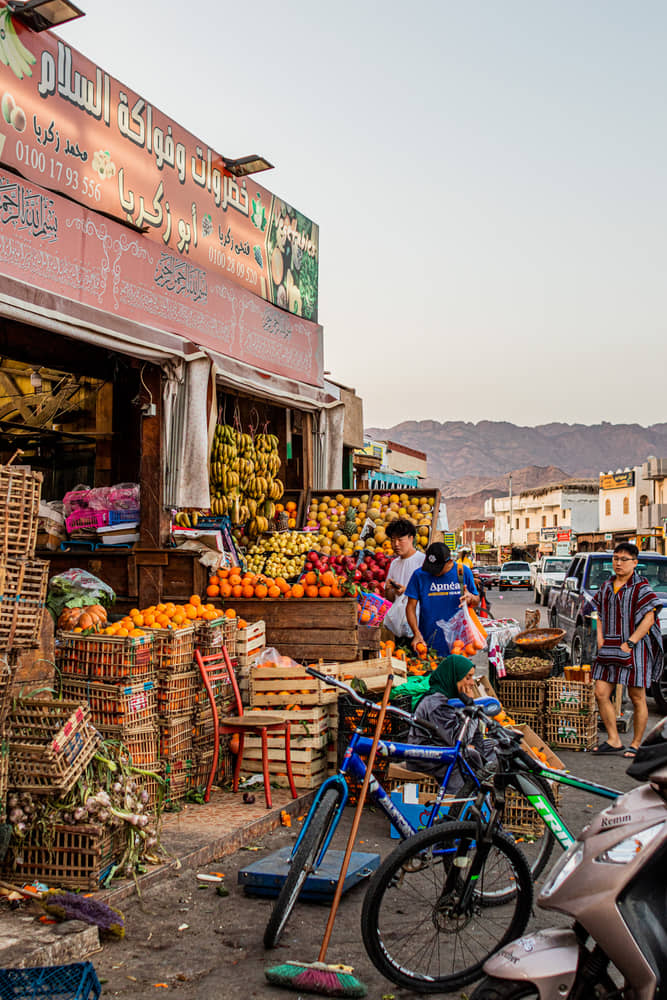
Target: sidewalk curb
228, 844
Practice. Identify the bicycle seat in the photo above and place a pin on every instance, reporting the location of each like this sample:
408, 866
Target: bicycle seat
491, 706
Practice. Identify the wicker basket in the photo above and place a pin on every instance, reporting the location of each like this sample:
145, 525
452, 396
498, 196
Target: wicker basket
176, 693
211, 636
22, 595
524, 668
176, 739
572, 732
174, 649
104, 657
116, 707
539, 638
51, 744
20, 493
72, 857
521, 696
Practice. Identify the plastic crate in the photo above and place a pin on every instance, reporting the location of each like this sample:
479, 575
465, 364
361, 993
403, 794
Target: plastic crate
51, 744
350, 714
128, 706
59, 982
122, 516
104, 657
372, 608
86, 520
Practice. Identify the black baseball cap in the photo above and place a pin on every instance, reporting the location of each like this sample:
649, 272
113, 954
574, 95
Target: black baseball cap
436, 557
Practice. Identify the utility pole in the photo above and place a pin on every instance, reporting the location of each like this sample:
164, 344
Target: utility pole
510, 515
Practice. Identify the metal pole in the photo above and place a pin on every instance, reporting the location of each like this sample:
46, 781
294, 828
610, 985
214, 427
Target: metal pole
510, 543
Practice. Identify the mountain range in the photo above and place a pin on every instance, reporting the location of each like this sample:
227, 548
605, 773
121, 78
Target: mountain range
470, 462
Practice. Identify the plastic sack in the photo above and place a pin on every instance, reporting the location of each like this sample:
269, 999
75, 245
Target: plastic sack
272, 658
395, 619
463, 632
77, 589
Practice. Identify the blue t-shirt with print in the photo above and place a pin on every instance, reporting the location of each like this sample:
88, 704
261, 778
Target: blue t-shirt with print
439, 599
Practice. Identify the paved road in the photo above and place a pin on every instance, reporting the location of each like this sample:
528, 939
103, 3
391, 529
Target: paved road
217, 952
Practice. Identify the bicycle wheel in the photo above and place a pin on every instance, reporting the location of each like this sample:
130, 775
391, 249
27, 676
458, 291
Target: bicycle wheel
301, 866
537, 844
410, 923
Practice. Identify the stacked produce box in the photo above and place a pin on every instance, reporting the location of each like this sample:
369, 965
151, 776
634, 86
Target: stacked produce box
572, 715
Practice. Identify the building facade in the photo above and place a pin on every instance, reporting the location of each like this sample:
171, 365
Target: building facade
544, 520
624, 500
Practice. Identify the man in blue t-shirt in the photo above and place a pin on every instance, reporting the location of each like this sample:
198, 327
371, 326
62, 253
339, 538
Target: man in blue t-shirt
437, 590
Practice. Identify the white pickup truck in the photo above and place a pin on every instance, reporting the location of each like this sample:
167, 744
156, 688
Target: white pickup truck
550, 573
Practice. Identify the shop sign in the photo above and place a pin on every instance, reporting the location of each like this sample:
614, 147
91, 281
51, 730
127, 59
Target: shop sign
563, 535
608, 536
617, 480
70, 127
449, 538
548, 534
562, 548
53, 244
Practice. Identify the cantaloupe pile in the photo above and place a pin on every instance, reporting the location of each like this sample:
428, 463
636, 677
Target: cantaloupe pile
328, 513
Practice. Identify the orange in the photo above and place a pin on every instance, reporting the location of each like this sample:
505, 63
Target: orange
242, 623
282, 584
298, 590
328, 579
213, 580
213, 590
138, 619
230, 613
122, 632
365, 615
225, 589
310, 578
237, 589
195, 599
223, 574
325, 591
261, 590
190, 611
311, 590
274, 591
336, 591
178, 619
234, 743
149, 620
137, 632
247, 590
162, 621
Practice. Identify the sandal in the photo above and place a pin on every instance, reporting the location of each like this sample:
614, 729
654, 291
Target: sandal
606, 747
630, 751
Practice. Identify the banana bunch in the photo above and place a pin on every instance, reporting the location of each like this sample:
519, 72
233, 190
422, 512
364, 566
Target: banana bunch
257, 526
185, 519
13, 52
266, 444
243, 483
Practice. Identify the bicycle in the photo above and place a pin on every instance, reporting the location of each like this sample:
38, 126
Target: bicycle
451, 878
327, 807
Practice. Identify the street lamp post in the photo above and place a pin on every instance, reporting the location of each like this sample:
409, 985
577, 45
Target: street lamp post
510, 540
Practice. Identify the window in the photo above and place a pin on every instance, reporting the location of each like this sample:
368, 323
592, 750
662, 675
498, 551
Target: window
517, 524
643, 501
528, 522
626, 505
544, 520
607, 508
555, 524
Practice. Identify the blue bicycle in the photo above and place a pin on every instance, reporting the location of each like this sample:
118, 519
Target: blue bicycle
327, 808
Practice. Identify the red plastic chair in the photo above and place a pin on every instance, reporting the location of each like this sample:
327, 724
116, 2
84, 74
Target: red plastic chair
218, 667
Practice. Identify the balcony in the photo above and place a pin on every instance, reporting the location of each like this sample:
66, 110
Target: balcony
655, 468
652, 516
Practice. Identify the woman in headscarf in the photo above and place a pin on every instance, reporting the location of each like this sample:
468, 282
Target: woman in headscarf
453, 677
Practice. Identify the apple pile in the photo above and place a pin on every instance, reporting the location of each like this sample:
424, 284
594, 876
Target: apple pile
369, 574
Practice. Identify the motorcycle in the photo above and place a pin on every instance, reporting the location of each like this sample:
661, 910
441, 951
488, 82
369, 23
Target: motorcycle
612, 882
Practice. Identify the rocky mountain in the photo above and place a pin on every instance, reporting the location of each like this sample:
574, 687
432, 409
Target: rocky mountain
470, 462
458, 449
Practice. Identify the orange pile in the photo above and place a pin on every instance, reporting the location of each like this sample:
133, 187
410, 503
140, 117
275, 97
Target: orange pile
461, 648
167, 615
234, 583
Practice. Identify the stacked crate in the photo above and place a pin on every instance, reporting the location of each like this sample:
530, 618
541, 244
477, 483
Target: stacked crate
572, 715
250, 643
210, 638
524, 701
115, 676
23, 582
177, 682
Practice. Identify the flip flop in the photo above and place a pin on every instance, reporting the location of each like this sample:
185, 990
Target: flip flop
606, 747
630, 751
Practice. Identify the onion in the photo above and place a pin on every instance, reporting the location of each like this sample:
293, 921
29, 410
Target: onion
144, 797
142, 821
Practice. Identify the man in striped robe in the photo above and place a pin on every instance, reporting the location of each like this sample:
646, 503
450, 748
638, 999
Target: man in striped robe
629, 646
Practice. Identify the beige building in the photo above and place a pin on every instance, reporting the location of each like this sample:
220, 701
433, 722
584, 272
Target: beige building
546, 519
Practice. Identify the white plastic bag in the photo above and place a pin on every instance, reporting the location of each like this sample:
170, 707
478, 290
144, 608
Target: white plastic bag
461, 628
395, 619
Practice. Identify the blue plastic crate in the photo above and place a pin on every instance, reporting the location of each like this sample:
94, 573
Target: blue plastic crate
122, 516
56, 982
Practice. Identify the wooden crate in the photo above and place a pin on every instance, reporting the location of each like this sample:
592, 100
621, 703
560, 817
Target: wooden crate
374, 672
22, 593
20, 492
306, 776
50, 746
104, 657
521, 696
572, 732
173, 649
309, 726
71, 857
411, 494
284, 686
250, 641
570, 697
252, 751
305, 629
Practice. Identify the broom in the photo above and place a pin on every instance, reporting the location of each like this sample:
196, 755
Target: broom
318, 977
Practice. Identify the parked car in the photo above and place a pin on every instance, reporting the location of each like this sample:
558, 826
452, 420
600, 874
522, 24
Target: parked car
571, 606
550, 573
514, 575
488, 575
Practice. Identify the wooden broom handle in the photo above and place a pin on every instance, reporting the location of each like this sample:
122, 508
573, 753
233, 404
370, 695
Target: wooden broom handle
356, 820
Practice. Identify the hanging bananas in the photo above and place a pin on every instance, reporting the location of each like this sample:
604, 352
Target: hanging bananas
243, 477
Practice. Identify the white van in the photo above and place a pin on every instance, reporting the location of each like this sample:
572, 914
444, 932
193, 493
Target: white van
550, 573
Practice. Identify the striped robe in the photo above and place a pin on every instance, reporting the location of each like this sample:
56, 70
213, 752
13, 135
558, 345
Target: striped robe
620, 615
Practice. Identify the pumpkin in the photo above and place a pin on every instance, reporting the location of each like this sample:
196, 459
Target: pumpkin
84, 618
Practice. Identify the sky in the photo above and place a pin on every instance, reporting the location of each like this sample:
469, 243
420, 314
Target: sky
488, 178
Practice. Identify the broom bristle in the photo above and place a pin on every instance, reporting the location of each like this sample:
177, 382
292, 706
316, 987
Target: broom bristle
316, 977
